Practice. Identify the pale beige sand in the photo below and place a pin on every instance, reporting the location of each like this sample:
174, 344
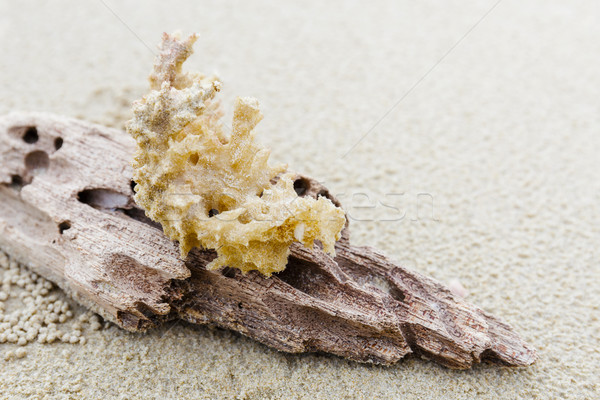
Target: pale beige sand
501, 137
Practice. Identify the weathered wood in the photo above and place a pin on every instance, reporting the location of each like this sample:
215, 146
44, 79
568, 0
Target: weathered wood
66, 211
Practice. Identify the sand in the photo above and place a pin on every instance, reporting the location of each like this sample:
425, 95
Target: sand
485, 172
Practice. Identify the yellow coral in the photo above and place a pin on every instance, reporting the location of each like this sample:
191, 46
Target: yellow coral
215, 192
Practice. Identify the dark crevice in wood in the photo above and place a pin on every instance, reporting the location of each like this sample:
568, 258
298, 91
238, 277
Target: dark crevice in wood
17, 182
58, 142
228, 272
307, 277
139, 215
31, 135
63, 226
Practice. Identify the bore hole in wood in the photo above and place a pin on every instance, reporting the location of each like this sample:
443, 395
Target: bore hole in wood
31, 135
103, 199
16, 181
37, 161
212, 212
301, 186
58, 142
63, 226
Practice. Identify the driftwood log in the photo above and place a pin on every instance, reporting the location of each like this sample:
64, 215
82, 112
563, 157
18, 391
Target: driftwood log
66, 211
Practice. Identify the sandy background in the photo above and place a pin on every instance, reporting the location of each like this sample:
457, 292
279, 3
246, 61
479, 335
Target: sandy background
495, 150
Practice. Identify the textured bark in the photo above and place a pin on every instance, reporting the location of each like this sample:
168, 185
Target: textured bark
66, 211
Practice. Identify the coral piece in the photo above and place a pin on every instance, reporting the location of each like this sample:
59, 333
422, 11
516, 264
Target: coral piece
215, 192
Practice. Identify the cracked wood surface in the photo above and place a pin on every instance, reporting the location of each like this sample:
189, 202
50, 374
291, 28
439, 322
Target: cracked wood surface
66, 211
